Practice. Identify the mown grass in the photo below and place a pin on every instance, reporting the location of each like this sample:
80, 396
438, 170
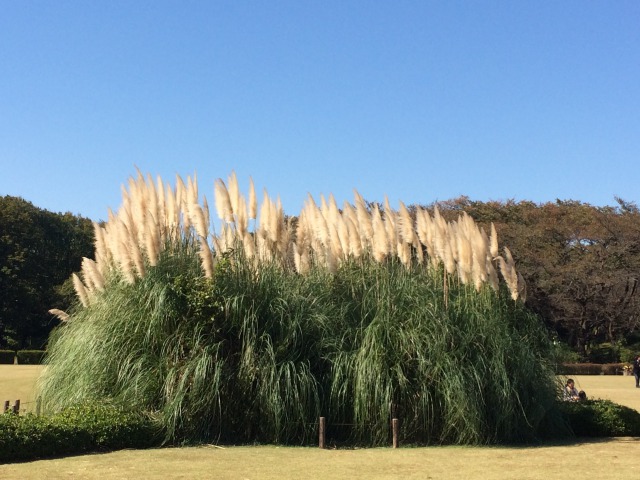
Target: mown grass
602, 459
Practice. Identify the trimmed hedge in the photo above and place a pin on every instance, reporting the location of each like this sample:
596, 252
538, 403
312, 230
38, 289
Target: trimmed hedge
601, 418
30, 357
591, 368
75, 430
7, 356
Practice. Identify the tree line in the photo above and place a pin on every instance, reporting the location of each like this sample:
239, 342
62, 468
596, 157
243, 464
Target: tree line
39, 250
581, 264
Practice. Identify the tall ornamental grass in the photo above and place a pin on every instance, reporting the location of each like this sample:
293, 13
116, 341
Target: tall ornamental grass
250, 334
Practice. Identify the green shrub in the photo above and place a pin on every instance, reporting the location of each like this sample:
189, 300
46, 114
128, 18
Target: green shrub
601, 418
604, 353
75, 430
562, 353
629, 352
30, 357
7, 356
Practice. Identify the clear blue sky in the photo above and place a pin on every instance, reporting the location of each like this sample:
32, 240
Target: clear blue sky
419, 100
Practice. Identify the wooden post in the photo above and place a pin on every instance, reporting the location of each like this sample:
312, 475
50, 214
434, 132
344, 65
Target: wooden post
16, 407
38, 406
6, 406
322, 432
394, 426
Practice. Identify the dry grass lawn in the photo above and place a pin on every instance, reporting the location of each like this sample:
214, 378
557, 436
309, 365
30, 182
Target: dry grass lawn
17, 382
603, 459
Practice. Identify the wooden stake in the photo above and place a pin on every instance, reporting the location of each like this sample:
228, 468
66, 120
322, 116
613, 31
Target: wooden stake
321, 432
394, 425
16, 407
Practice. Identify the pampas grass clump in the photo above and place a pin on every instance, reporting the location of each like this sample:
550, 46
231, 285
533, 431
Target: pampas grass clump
250, 333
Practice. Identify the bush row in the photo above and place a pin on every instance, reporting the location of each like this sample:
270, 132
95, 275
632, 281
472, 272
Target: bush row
91, 428
25, 357
601, 418
591, 368
75, 430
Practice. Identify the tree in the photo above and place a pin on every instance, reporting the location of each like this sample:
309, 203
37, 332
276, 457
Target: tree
581, 263
38, 251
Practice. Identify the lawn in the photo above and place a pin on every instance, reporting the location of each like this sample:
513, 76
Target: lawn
17, 382
602, 459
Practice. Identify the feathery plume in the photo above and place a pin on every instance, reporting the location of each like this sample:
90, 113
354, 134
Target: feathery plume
234, 193
81, 290
494, 241
223, 203
253, 205
62, 315
206, 257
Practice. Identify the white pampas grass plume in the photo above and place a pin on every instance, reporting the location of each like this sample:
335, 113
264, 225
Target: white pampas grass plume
101, 252
448, 260
152, 242
275, 221
296, 258
91, 274
405, 224
343, 235
81, 290
508, 271
390, 225
253, 204
335, 243
206, 257
198, 219
62, 315
205, 213
123, 254
404, 253
249, 245
364, 217
161, 199
180, 192
242, 222
172, 218
465, 258
417, 247
234, 192
223, 203
263, 220
380, 241
355, 242
493, 242
493, 276
136, 256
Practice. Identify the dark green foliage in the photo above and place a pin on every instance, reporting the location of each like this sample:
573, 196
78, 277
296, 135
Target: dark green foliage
30, 357
7, 356
601, 418
74, 430
38, 252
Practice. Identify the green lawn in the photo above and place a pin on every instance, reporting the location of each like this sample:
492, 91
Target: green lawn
601, 459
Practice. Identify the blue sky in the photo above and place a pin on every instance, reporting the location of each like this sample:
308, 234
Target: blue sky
418, 100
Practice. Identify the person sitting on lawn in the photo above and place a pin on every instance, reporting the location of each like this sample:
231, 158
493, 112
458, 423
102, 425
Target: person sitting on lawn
571, 392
